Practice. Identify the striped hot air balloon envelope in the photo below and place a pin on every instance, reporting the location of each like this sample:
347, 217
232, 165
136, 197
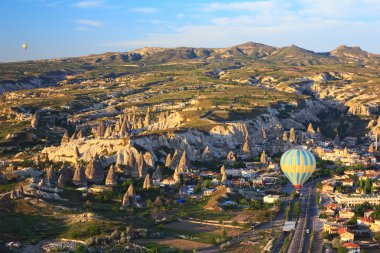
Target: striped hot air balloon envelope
298, 165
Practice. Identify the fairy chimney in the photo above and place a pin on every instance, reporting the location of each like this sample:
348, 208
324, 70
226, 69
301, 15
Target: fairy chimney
51, 176
147, 182
95, 171
111, 179
65, 138
263, 158
80, 176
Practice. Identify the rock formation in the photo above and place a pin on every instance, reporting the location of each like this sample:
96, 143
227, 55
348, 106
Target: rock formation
147, 120
285, 136
157, 175
168, 160
263, 133
310, 129
231, 158
80, 134
158, 201
207, 155
176, 176
35, 120
61, 182
224, 175
51, 176
370, 148
292, 135
175, 160
263, 158
111, 179
65, 138
147, 182
95, 171
65, 172
131, 191
183, 163
80, 176
17, 193
77, 154
246, 148
337, 140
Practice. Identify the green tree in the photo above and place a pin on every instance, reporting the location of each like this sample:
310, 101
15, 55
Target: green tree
207, 184
80, 248
376, 236
367, 186
93, 229
336, 242
353, 221
317, 198
223, 233
342, 249
297, 209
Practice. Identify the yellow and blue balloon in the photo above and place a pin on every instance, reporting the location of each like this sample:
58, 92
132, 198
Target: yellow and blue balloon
298, 165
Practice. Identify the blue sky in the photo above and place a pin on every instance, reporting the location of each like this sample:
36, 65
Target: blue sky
61, 28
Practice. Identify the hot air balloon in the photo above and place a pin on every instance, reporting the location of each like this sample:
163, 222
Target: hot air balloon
297, 165
24, 46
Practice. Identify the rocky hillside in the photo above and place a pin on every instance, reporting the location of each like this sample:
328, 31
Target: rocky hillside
188, 90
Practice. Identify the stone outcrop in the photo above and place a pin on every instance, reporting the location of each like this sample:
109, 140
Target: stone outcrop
292, 135
147, 182
168, 160
51, 176
80, 178
176, 176
95, 170
61, 182
207, 155
183, 163
370, 148
35, 119
111, 179
310, 129
246, 148
128, 196
263, 158
65, 172
224, 175
337, 140
231, 158
65, 138
157, 175
175, 160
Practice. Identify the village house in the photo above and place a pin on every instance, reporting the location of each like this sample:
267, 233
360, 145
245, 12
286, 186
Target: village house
352, 247
357, 199
271, 199
365, 222
346, 214
375, 227
327, 188
346, 235
331, 227
329, 212
208, 192
348, 182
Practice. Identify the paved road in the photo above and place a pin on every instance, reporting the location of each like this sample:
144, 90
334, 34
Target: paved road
308, 216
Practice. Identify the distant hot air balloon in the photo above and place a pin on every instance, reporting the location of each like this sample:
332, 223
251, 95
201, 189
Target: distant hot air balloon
24, 46
298, 165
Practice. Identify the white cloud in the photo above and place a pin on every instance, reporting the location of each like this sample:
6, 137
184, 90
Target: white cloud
239, 6
88, 4
144, 10
87, 24
319, 25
